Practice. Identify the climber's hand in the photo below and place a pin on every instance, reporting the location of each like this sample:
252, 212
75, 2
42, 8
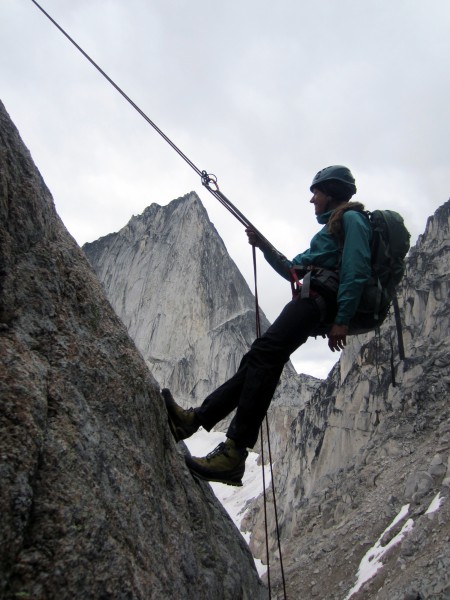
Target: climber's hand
337, 338
253, 238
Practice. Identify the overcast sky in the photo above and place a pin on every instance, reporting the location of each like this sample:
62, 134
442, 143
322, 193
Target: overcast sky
263, 94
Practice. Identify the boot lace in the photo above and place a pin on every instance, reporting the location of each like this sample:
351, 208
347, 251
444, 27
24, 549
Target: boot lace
220, 449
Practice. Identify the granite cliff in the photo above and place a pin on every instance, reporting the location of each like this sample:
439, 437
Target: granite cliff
95, 499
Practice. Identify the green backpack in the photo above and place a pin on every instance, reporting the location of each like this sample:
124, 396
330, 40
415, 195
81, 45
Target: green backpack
389, 246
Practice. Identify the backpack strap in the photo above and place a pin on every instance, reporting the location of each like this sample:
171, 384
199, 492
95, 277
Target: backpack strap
398, 323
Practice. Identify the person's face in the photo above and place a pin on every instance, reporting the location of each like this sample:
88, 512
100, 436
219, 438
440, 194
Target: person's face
320, 201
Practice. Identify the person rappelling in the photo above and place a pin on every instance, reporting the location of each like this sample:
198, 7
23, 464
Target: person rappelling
349, 274
334, 271
348, 277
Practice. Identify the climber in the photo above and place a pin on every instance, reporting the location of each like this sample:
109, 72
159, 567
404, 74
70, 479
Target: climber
327, 300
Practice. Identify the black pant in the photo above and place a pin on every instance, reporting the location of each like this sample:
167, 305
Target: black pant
251, 389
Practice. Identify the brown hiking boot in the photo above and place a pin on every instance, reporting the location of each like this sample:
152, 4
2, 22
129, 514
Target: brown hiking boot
183, 423
225, 464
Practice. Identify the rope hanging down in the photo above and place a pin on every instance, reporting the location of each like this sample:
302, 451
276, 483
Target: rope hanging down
266, 420
209, 181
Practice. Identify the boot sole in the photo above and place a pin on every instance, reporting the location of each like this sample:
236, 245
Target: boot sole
216, 479
173, 429
169, 401
235, 481
171, 424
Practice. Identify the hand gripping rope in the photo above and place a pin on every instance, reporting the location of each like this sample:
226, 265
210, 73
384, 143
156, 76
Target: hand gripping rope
209, 181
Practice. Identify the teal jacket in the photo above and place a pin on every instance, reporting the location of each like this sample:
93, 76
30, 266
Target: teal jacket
353, 259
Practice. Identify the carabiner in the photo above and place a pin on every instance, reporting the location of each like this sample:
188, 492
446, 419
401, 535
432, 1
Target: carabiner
208, 179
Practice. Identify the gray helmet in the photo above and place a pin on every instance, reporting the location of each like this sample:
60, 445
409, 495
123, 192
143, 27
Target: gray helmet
337, 173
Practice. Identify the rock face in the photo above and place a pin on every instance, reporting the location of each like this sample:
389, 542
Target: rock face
95, 499
362, 449
170, 279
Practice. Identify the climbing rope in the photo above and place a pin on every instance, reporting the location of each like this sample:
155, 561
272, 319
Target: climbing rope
209, 181
274, 496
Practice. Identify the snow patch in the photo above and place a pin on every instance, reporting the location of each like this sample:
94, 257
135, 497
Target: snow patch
371, 562
435, 504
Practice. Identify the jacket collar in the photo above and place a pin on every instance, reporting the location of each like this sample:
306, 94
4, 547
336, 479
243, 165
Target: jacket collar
324, 217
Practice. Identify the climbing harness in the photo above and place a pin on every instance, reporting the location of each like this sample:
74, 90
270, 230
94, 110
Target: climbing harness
209, 181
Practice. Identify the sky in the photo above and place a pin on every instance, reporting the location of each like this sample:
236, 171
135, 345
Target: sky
262, 94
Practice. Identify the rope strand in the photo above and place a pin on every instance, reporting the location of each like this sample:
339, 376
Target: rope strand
275, 509
266, 529
121, 92
258, 334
